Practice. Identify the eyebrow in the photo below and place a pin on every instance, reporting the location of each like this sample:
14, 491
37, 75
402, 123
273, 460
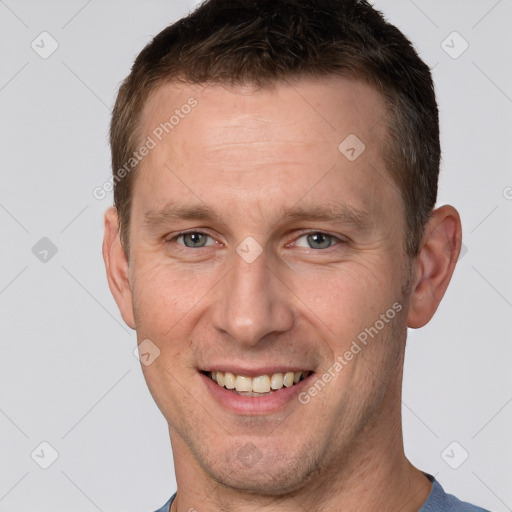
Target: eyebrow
172, 212
340, 214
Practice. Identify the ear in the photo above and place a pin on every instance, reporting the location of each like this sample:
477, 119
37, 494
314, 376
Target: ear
434, 265
116, 265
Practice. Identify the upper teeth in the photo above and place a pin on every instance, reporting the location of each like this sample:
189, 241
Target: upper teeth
260, 384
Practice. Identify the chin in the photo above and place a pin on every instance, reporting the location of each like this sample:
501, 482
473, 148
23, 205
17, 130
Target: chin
272, 481
262, 470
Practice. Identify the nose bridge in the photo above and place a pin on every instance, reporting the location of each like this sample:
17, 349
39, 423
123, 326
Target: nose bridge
251, 304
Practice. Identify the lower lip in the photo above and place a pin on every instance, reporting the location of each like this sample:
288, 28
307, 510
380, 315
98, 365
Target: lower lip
254, 405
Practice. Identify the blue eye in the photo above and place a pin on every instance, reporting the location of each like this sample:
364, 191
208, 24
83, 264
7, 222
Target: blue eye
194, 239
317, 240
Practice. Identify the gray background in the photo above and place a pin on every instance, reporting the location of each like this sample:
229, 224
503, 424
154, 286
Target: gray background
67, 372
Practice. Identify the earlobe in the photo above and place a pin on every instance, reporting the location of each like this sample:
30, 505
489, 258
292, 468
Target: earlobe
434, 265
116, 265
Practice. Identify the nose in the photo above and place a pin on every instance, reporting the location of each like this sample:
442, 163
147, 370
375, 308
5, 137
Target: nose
251, 302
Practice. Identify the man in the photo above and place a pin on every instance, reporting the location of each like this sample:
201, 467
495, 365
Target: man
274, 235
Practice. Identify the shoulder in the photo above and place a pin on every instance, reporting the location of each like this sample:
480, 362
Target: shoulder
440, 500
167, 506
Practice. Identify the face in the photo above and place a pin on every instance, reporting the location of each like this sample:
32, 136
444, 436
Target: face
265, 239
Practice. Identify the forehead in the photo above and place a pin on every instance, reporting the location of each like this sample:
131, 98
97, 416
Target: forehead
242, 141
331, 105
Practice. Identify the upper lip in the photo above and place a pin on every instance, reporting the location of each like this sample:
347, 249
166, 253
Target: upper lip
254, 372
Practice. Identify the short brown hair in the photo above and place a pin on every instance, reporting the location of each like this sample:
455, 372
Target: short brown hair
262, 42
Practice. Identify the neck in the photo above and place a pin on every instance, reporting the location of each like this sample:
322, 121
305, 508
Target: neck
387, 486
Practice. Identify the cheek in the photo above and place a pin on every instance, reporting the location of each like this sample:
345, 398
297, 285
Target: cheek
164, 299
166, 306
347, 298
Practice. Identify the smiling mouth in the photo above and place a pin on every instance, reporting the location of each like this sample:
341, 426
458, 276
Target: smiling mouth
256, 386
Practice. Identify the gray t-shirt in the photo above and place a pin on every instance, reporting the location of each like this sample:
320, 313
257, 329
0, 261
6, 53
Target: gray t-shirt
437, 501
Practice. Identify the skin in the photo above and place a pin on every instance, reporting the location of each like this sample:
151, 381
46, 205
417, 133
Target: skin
249, 155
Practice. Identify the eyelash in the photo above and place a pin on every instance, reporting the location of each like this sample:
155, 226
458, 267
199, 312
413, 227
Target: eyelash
336, 240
